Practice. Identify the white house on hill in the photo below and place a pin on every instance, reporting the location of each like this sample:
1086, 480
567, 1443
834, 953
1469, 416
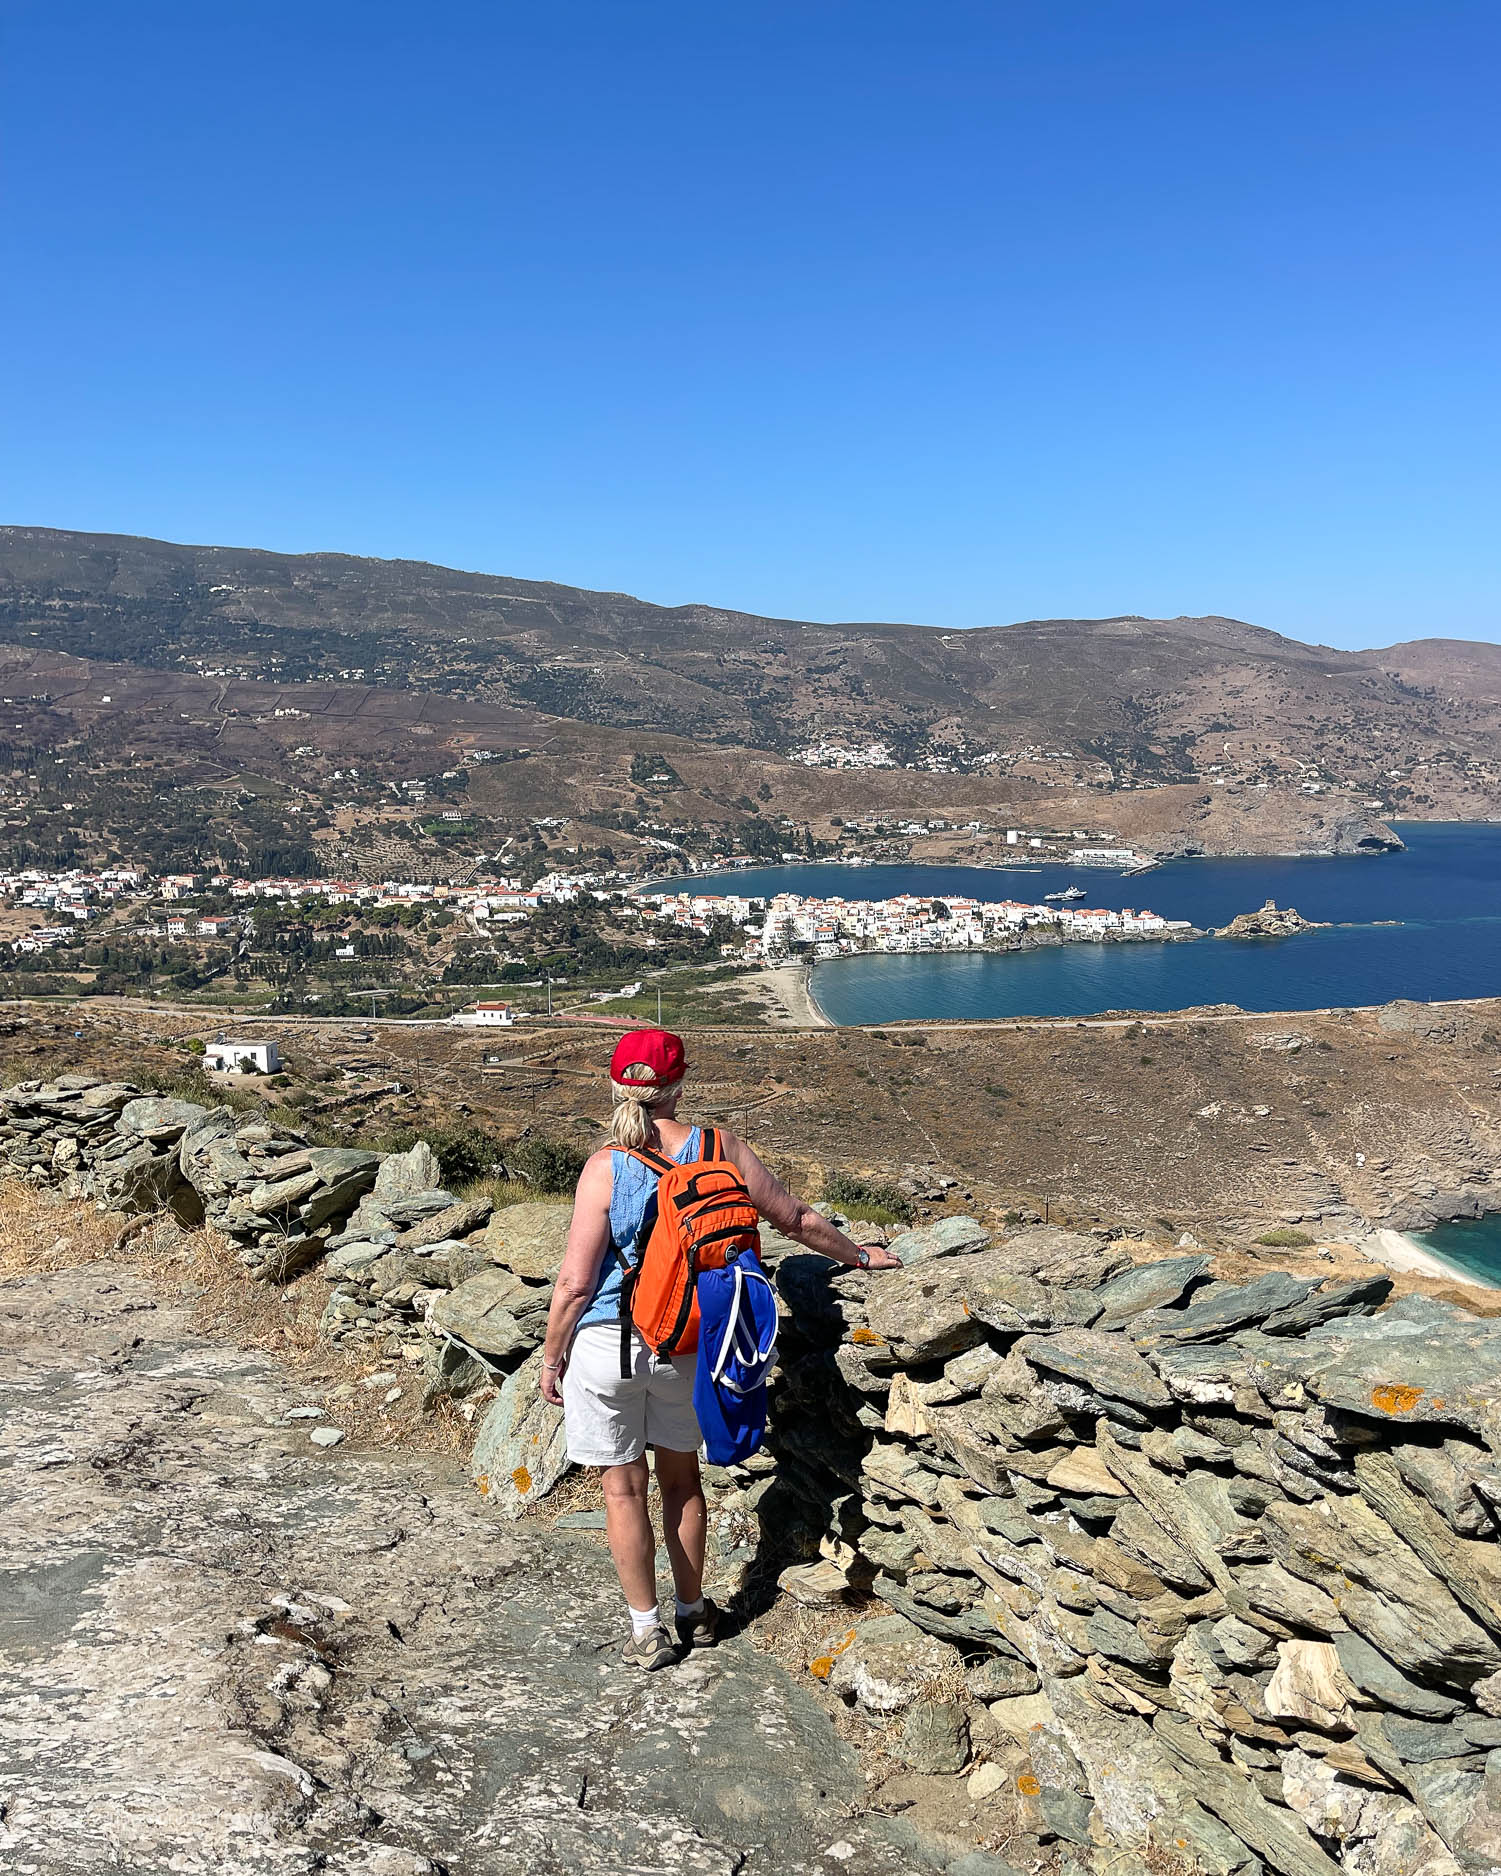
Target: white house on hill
261, 1058
487, 1016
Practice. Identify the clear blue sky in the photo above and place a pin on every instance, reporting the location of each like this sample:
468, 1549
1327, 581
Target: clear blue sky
960, 312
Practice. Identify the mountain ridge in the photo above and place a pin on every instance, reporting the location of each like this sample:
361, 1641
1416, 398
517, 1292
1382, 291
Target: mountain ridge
15, 534
1076, 712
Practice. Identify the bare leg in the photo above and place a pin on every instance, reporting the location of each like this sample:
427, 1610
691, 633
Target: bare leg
628, 1528
685, 1520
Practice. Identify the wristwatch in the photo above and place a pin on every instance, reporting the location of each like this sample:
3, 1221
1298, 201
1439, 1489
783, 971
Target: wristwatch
862, 1256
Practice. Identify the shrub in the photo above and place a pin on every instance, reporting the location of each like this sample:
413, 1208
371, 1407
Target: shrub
549, 1165
1284, 1238
870, 1200
464, 1153
179, 1084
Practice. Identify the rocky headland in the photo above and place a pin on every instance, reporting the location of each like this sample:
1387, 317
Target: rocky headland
1271, 921
1100, 1558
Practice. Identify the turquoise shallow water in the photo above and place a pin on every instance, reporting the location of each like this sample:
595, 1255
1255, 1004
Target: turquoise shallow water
1443, 892
1472, 1245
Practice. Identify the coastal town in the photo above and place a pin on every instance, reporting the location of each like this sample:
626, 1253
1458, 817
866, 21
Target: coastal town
179, 907
837, 927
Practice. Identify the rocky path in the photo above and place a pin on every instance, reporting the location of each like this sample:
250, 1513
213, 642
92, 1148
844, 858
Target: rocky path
224, 1649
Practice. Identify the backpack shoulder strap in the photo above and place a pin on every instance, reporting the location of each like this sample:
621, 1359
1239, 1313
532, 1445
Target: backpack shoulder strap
657, 1162
709, 1143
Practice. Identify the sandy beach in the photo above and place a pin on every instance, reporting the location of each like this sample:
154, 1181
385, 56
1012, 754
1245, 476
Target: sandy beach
785, 987
1399, 1252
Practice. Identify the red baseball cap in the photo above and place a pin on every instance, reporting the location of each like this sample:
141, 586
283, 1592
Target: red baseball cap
658, 1049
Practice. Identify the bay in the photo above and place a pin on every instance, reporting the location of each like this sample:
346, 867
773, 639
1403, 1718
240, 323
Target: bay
1472, 1245
1443, 892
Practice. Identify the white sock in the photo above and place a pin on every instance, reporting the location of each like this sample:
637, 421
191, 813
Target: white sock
643, 1621
687, 1610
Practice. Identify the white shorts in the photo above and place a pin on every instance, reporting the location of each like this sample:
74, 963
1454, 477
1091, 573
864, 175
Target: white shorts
611, 1422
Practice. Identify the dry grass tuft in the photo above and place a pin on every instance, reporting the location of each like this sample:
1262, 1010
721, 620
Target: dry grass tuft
506, 1192
39, 1234
578, 1490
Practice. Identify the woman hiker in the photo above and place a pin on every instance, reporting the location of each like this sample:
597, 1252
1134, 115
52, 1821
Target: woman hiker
610, 1422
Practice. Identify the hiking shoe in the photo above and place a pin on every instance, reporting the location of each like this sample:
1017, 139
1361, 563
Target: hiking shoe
701, 1630
654, 1650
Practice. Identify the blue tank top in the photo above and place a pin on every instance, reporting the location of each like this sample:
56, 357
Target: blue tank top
631, 1186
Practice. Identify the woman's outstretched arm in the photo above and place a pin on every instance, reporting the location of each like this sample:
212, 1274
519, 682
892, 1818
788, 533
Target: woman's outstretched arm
793, 1215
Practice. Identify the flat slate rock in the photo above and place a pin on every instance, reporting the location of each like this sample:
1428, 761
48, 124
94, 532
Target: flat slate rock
336, 1198
1221, 1310
1016, 1304
921, 1313
453, 1221
945, 1237
351, 1259
1203, 1374
1106, 1363
520, 1451
482, 1313
1381, 1589
1360, 1296
1148, 1286
529, 1239
333, 1163
1064, 1259
411, 1208
159, 1117
1385, 1682
1419, 1361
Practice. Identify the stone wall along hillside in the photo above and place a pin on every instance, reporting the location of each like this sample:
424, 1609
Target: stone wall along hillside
416, 1270
1216, 1564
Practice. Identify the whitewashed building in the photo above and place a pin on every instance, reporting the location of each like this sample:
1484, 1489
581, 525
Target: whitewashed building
261, 1058
487, 1016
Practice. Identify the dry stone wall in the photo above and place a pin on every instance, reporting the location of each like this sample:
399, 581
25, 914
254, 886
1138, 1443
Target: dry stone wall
1216, 1565
416, 1270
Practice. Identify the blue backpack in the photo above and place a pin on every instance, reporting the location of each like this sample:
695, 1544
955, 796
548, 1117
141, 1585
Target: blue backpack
737, 1346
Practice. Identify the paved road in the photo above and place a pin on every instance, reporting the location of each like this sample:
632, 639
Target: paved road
225, 1650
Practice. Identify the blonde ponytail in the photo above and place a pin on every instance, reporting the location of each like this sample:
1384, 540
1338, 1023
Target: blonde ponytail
632, 1122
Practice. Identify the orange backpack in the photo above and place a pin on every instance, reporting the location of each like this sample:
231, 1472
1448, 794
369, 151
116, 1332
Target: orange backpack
701, 1217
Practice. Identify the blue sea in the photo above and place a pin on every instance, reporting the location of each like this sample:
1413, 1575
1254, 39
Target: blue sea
1472, 1245
1442, 896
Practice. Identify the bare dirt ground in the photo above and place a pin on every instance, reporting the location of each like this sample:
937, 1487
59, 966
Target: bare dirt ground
1224, 1125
